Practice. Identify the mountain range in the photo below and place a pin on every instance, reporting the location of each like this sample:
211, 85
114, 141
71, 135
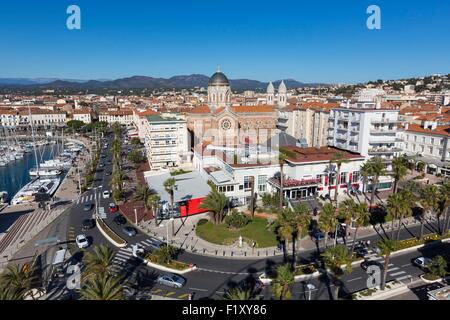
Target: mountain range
142, 82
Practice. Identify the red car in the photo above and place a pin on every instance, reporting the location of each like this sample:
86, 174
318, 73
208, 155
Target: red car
112, 208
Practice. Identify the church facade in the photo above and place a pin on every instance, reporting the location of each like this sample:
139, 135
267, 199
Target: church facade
221, 123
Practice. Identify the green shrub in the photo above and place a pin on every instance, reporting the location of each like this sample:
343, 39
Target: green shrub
438, 267
202, 222
236, 220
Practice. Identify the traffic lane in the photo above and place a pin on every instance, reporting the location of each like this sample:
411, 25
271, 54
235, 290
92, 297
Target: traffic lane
400, 266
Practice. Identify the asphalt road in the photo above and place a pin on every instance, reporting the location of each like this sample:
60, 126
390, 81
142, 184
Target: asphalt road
215, 275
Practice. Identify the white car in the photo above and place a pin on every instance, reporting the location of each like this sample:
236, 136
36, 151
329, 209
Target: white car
82, 241
265, 280
106, 194
422, 262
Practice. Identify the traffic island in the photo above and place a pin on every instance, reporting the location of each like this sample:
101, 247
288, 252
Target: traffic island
393, 288
153, 260
110, 235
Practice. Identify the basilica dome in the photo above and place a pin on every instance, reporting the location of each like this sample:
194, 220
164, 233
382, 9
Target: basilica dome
219, 79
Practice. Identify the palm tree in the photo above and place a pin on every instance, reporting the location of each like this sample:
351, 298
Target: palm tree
282, 282
284, 229
153, 202
300, 221
386, 247
399, 171
102, 287
339, 159
283, 155
376, 169
395, 208
169, 186
361, 217
328, 221
143, 193
445, 202
346, 210
9, 294
429, 199
237, 294
17, 280
334, 258
215, 202
365, 173
98, 262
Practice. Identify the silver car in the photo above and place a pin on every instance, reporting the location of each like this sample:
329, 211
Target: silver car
171, 280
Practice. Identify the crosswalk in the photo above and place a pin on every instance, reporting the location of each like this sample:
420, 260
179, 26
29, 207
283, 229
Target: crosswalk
124, 256
394, 272
90, 197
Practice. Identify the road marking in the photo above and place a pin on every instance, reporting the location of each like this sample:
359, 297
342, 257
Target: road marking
196, 289
397, 273
170, 294
406, 265
393, 269
156, 291
223, 272
183, 296
404, 278
359, 278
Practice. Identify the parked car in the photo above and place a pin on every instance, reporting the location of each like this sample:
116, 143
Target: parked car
255, 286
422, 262
360, 251
171, 280
113, 208
156, 244
265, 279
367, 263
120, 220
106, 194
108, 173
87, 207
88, 224
129, 231
317, 235
82, 241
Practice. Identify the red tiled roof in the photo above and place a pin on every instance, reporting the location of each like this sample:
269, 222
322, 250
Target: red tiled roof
440, 130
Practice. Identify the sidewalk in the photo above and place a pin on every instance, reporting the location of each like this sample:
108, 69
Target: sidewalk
186, 238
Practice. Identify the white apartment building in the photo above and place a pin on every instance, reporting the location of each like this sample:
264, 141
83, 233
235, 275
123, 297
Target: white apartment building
430, 144
122, 116
40, 117
166, 141
11, 118
82, 115
367, 129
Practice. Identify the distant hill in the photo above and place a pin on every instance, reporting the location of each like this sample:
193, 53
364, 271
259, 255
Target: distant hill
141, 82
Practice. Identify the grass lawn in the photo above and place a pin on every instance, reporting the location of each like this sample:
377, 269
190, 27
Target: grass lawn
256, 230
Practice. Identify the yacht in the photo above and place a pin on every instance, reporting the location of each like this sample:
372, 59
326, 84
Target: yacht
45, 172
56, 163
38, 185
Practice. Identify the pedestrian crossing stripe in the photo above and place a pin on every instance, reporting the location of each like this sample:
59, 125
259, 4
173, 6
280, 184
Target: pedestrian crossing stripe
170, 294
183, 296
156, 291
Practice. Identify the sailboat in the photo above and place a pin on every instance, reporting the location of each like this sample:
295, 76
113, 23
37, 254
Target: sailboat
39, 185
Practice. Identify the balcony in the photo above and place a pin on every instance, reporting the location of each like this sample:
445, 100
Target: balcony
385, 121
342, 137
383, 131
384, 150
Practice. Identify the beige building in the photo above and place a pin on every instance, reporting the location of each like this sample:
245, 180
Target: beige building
82, 115
307, 122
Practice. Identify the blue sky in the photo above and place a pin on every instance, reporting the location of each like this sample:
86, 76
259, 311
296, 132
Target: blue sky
309, 41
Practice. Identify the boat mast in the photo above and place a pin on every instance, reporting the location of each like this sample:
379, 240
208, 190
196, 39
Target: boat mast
34, 141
